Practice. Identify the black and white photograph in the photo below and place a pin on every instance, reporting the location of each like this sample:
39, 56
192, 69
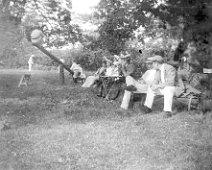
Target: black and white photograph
105, 84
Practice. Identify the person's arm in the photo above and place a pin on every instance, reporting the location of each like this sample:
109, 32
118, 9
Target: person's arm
169, 79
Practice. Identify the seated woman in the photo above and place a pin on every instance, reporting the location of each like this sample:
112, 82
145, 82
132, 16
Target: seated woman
109, 83
92, 79
78, 71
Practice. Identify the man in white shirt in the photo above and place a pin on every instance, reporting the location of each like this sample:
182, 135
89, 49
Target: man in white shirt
165, 85
140, 86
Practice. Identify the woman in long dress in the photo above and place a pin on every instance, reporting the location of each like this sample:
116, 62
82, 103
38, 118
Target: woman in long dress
90, 80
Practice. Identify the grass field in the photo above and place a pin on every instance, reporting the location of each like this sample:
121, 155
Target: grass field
39, 132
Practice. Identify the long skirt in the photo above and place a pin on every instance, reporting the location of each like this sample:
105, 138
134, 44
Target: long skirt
110, 87
90, 80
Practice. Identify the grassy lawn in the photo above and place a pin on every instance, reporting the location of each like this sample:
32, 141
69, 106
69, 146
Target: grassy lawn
39, 132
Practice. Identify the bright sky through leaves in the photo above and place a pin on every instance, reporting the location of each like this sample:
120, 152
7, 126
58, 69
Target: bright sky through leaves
84, 6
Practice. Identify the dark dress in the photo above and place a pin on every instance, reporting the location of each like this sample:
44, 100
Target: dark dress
111, 87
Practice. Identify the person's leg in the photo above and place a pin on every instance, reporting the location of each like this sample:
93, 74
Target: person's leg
126, 99
108, 86
149, 98
127, 94
89, 81
168, 93
130, 81
30, 67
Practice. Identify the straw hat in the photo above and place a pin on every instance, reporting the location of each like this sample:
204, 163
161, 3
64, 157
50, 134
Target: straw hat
156, 58
122, 56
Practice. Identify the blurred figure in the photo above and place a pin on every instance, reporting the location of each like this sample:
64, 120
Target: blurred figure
92, 79
78, 71
37, 37
31, 62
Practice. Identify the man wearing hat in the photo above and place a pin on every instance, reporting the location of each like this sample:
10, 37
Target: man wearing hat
141, 85
165, 85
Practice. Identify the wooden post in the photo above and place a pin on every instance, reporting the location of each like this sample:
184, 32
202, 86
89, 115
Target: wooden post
61, 73
53, 57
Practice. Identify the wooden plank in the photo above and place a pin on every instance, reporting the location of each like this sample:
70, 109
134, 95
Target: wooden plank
41, 48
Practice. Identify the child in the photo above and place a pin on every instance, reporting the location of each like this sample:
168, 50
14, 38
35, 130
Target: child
78, 72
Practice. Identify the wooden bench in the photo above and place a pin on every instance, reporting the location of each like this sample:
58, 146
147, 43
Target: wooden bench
189, 100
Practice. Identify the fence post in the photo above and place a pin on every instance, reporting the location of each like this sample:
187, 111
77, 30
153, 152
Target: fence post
61, 73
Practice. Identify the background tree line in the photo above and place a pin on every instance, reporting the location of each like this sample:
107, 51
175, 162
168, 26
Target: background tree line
122, 25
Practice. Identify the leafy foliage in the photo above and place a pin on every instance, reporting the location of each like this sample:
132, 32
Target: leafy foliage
119, 23
54, 19
121, 18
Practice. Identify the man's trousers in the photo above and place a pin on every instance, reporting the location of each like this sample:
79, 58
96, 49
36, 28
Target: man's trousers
142, 88
168, 92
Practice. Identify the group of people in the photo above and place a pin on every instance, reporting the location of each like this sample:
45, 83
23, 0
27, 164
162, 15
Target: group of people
119, 74
160, 79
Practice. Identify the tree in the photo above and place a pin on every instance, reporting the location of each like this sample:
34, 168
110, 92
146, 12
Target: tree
11, 12
119, 22
121, 18
54, 18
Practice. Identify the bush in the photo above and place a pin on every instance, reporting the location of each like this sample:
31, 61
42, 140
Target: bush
89, 60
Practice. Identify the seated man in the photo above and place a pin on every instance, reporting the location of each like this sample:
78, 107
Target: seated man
78, 72
165, 85
92, 79
141, 85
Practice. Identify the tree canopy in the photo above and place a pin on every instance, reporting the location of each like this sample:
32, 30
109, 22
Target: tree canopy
121, 18
117, 20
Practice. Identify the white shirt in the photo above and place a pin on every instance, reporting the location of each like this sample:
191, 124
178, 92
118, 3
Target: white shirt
109, 71
76, 67
162, 73
149, 76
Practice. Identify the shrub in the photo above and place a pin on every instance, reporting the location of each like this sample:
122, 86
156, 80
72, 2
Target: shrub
89, 60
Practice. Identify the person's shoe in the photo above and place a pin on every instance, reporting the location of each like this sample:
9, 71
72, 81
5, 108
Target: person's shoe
167, 114
124, 112
131, 88
147, 109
